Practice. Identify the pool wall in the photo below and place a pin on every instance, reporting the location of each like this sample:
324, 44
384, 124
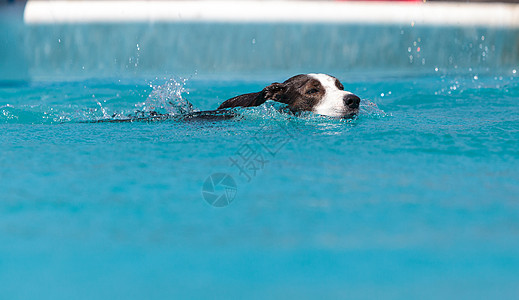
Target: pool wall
63, 39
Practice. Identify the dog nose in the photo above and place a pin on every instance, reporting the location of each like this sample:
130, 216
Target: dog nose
352, 101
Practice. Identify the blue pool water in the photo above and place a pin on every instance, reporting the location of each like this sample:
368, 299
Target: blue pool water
416, 198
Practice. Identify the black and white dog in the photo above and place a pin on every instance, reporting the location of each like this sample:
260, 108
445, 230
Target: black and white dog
318, 93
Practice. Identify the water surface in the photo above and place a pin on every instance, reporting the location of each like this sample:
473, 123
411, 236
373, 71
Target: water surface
415, 198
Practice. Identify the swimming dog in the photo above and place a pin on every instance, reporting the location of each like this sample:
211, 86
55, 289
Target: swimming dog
318, 93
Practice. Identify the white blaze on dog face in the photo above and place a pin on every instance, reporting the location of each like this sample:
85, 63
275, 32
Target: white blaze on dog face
332, 103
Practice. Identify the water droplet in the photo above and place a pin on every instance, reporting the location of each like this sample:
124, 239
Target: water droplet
514, 71
475, 77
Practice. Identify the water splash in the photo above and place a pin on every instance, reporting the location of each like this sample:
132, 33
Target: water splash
369, 108
168, 99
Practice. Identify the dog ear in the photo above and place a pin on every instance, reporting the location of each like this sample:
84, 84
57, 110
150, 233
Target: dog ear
275, 92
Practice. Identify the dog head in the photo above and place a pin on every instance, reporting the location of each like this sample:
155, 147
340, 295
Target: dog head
319, 93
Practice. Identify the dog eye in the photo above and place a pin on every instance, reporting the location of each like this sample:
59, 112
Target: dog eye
339, 85
312, 91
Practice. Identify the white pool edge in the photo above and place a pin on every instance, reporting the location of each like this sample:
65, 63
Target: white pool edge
397, 13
